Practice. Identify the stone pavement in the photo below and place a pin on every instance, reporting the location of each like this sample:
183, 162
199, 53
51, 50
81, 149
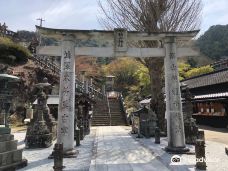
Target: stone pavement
38, 158
115, 149
215, 154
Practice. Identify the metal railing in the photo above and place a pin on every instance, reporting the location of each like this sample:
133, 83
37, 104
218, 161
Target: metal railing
81, 87
109, 111
122, 106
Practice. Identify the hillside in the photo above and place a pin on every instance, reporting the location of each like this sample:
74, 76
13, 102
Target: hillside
12, 53
214, 42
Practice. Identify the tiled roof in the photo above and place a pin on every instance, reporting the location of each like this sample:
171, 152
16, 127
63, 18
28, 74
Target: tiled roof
212, 78
215, 95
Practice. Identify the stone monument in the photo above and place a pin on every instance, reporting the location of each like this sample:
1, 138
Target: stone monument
38, 135
147, 121
191, 130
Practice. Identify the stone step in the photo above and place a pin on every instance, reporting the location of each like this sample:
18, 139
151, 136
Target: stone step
101, 115
100, 124
10, 157
117, 119
116, 116
6, 137
8, 146
116, 113
100, 120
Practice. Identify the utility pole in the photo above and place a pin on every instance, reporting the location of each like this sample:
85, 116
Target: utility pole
41, 21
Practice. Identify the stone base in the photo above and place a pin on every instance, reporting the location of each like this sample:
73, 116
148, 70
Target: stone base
71, 154
177, 150
81, 132
15, 166
39, 141
6, 137
5, 130
139, 136
77, 137
10, 156
68, 154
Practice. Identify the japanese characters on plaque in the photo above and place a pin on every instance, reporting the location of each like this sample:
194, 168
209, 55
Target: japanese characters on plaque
120, 40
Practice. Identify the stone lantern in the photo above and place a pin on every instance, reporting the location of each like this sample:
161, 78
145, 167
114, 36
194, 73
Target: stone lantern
109, 82
190, 127
6, 97
38, 135
10, 157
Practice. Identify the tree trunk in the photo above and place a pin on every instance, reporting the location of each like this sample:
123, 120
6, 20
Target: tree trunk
155, 66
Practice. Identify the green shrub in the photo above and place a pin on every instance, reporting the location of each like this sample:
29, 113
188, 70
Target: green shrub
12, 53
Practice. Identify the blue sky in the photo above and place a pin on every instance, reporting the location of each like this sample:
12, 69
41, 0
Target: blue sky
82, 14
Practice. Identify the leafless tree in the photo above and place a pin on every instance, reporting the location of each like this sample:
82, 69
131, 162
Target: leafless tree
152, 16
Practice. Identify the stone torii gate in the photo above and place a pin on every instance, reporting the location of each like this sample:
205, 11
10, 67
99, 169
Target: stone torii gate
117, 43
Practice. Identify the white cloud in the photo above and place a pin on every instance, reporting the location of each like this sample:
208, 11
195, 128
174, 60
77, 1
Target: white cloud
214, 12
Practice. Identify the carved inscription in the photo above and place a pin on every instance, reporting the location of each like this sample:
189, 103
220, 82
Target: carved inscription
120, 40
65, 105
67, 54
176, 116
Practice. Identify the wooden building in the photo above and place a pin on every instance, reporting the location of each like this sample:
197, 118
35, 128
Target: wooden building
210, 103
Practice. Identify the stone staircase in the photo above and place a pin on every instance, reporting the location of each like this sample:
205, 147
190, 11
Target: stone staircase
102, 117
117, 116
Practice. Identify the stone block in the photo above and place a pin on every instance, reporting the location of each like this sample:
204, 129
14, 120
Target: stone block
8, 146
6, 158
17, 155
4, 130
6, 137
10, 157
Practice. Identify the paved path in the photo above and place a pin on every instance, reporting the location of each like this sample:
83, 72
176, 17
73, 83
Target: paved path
219, 135
116, 150
105, 149
38, 158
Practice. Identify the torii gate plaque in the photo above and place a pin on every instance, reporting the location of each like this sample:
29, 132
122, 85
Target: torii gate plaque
118, 43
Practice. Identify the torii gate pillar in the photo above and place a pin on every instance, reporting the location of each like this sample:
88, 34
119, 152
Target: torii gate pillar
175, 124
65, 133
